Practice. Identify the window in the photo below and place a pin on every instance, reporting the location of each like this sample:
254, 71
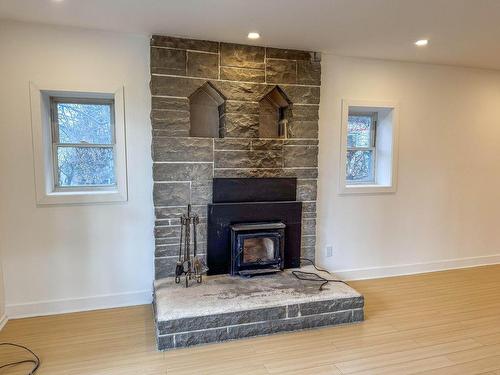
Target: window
369, 147
361, 151
78, 146
83, 142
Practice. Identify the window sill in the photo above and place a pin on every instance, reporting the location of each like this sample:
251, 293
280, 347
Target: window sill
367, 189
82, 197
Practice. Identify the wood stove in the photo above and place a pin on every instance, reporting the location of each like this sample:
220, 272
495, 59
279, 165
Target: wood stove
254, 226
257, 248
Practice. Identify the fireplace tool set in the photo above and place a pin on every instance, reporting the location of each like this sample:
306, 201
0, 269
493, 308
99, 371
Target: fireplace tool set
189, 267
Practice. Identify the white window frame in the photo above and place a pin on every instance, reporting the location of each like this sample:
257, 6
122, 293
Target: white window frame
47, 191
386, 146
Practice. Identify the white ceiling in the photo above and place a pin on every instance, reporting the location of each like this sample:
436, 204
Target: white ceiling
461, 32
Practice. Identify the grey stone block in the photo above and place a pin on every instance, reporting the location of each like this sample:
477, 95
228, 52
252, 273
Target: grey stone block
267, 172
202, 65
254, 172
308, 227
267, 144
166, 342
182, 171
231, 144
302, 172
242, 74
281, 71
172, 104
168, 231
201, 192
163, 241
309, 215
168, 61
242, 107
358, 315
305, 112
303, 129
167, 250
308, 206
252, 92
182, 149
177, 121
308, 252
292, 324
171, 131
174, 86
241, 55
248, 159
242, 125
309, 73
341, 304
181, 43
302, 94
308, 241
293, 311
200, 337
290, 54
174, 213
307, 190
171, 194
300, 156
221, 320
300, 142
165, 267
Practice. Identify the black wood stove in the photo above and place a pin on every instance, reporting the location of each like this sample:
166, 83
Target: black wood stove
254, 226
257, 248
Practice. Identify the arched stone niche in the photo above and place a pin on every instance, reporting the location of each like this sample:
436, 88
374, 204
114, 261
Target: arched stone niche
206, 110
273, 114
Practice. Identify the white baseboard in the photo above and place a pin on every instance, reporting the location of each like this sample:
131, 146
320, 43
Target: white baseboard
3, 321
410, 269
62, 306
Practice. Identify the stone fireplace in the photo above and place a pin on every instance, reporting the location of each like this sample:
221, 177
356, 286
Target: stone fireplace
235, 134
222, 110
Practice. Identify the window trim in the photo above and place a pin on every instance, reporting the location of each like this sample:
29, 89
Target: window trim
42, 124
390, 110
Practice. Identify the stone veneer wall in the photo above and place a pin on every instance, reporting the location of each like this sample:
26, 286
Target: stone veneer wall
183, 166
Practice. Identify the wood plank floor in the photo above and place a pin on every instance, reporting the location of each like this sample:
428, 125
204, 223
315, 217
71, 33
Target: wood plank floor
439, 323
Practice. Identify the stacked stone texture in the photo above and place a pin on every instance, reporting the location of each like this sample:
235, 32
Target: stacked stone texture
183, 166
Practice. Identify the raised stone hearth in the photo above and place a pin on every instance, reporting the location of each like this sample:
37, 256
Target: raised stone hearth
227, 308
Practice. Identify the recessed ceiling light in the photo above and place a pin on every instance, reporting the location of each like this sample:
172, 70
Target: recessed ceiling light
253, 35
422, 42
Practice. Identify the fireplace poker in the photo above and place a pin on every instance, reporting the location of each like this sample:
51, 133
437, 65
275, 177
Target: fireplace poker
190, 267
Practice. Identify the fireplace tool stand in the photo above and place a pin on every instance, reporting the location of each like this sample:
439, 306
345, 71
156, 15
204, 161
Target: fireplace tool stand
190, 267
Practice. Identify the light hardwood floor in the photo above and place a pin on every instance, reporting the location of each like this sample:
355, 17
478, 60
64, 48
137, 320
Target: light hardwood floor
439, 323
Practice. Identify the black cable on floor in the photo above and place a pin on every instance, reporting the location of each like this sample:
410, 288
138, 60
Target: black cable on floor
311, 276
35, 361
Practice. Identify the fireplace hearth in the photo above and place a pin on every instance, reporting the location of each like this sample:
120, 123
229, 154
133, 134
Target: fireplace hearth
257, 248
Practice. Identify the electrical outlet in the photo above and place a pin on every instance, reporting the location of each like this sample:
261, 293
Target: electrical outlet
329, 251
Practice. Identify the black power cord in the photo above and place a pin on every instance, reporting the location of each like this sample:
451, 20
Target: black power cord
311, 276
35, 361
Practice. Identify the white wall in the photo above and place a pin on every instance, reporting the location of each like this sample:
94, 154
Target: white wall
73, 257
445, 211
65, 258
